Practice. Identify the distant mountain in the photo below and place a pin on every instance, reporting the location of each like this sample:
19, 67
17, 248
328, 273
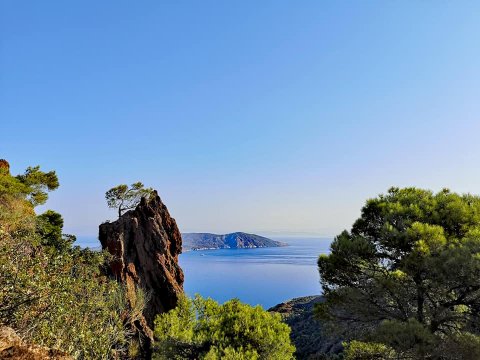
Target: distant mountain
237, 240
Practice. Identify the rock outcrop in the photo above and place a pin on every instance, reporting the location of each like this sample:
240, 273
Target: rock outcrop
4, 167
145, 244
12, 347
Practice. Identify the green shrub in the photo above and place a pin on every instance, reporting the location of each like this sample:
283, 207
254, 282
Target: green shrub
358, 350
203, 329
61, 301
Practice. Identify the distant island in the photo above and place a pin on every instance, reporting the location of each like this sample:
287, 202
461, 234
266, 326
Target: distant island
237, 240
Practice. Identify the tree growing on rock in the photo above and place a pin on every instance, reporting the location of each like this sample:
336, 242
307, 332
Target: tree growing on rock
405, 281
123, 197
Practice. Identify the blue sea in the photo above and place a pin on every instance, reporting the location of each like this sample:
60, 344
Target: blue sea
264, 276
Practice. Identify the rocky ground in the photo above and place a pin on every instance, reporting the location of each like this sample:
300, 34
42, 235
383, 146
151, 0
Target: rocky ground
14, 348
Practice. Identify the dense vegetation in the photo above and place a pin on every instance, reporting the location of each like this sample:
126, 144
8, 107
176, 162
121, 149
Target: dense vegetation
404, 283
51, 292
203, 329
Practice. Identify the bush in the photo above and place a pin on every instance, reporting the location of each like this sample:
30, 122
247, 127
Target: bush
61, 301
358, 350
202, 328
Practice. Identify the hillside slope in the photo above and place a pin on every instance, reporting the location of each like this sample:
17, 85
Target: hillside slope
307, 336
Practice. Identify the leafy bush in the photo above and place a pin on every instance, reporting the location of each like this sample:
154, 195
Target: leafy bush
203, 329
358, 350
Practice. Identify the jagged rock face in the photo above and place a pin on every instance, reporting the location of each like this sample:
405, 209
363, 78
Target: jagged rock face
145, 244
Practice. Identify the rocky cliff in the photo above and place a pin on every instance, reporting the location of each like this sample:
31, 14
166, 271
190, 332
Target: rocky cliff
145, 244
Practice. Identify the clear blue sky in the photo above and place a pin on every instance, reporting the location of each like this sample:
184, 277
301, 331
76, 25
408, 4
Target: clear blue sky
272, 116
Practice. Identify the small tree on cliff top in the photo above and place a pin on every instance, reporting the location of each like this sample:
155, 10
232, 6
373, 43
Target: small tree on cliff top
125, 198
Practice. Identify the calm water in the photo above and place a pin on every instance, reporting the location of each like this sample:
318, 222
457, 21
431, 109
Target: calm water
266, 276
88, 241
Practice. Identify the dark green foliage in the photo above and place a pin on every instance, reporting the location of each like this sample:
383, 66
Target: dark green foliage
203, 329
407, 276
125, 198
49, 227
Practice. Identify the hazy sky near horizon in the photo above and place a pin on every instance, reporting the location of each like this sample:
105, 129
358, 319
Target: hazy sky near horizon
269, 117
